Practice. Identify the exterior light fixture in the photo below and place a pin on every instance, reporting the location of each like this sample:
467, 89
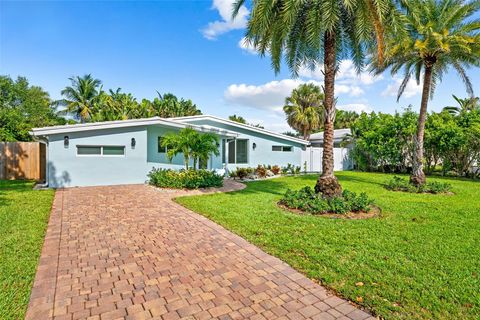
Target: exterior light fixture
66, 141
254, 145
133, 143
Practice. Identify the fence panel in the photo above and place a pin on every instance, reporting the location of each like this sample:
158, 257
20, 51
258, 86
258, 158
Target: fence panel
22, 160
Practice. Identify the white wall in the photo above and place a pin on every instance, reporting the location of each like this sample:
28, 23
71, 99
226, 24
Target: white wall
313, 157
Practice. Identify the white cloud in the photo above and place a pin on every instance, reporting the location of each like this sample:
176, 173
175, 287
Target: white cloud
411, 89
346, 74
357, 107
246, 46
271, 95
224, 8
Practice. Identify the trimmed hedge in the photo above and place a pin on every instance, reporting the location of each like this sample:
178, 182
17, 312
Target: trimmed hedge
184, 179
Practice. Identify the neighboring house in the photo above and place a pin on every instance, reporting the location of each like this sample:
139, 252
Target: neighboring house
123, 152
312, 157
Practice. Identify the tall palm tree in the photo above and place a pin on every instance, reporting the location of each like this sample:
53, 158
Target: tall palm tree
168, 106
304, 109
206, 144
437, 35
464, 105
80, 97
309, 32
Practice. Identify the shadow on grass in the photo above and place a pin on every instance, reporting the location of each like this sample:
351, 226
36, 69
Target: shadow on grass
13, 185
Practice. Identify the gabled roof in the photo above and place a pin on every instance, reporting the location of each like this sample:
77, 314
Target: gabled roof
241, 125
45, 131
338, 135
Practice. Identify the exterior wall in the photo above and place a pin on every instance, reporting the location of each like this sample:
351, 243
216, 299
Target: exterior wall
67, 169
263, 153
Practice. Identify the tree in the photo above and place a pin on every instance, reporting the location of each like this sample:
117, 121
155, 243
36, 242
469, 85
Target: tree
204, 147
464, 105
193, 145
307, 32
169, 106
80, 97
238, 119
436, 35
345, 119
304, 109
23, 107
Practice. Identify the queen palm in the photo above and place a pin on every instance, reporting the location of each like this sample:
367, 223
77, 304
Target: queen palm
304, 109
309, 32
437, 35
80, 97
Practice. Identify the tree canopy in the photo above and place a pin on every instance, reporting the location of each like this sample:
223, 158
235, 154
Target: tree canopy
23, 107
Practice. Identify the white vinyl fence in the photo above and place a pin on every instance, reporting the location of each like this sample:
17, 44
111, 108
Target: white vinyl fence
313, 158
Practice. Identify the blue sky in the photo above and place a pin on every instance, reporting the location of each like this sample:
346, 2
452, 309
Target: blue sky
189, 48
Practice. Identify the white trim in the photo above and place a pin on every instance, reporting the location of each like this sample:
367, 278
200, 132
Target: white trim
45, 131
101, 151
243, 126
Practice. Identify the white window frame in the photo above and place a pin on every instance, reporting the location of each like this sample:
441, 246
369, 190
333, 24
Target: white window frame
227, 143
101, 151
282, 148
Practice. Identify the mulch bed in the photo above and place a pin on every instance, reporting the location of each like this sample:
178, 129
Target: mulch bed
373, 213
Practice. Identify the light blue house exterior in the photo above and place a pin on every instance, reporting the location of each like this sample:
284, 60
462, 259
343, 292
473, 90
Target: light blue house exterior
123, 152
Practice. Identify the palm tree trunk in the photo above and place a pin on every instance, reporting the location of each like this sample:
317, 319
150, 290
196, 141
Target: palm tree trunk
418, 176
327, 183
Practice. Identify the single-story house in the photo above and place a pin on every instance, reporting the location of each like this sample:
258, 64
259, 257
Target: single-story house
123, 152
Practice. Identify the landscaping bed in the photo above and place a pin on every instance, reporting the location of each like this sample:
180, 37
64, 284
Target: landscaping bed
419, 261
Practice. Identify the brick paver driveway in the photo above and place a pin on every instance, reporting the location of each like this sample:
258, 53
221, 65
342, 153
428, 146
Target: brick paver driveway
130, 252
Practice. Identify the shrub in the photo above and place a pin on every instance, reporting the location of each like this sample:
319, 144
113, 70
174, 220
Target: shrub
276, 170
401, 184
307, 200
189, 179
261, 171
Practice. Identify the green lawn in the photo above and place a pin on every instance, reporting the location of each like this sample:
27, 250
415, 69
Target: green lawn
421, 260
23, 220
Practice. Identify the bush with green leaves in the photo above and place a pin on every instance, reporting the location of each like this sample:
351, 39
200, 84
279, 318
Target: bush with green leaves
306, 199
402, 184
188, 179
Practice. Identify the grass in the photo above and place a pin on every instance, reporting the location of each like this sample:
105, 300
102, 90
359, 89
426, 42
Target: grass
23, 219
421, 260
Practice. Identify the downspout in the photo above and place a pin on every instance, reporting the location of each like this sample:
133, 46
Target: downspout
45, 142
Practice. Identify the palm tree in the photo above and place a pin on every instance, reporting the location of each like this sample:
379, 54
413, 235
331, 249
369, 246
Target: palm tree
345, 119
169, 106
206, 144
437, 35
193, 145
238, 119
309, 32
304, 109
464, 105
80, 97
180, 142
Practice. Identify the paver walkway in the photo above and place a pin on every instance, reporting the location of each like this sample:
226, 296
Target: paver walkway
131, 252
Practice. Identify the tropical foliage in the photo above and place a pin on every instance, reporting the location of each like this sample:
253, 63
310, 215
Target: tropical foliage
464, 104
86, 101
385, 142
81, 97
238, 119
433, 35
192, 145
304, 109
22, 107
307, 32
189, 179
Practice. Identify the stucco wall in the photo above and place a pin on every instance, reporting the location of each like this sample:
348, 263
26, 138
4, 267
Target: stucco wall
67, 169
263, 153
